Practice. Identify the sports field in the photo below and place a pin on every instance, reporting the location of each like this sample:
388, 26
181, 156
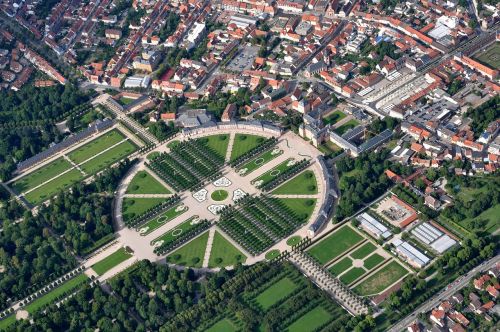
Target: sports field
192, 253
162, 219
172, 234
274, 293
95, 146
136, 206
109, 157
259, 161
51, 188
145, 183
244, 143
490, 56
54, 294
111, 261
382, 279
41, 175
223, 253
311, 320
302, 184
335, 244
272, 173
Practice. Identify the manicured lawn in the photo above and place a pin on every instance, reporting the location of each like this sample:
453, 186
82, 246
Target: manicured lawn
97, 145
162, 219
302, 184
334, 117
260, 160
153, 155
373, 261
380, 280
302, 207
192, 253
218, 143
341, 266
244, 143
6, 322
51, 296
363, 251
351, 275
276, 292
274, 172
119, 256
491, 216
109, 157
293, 240
311, 320
327, 148
224, 325
172, 234
346, 126
41, 175
219, 195
125, 101
224, 253
272, 253
145, 183
335, 244
51, 188
136, 206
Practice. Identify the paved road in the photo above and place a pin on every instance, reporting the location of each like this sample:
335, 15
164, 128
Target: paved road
444, 294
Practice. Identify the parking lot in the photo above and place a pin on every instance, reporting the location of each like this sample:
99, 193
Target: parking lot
244, 59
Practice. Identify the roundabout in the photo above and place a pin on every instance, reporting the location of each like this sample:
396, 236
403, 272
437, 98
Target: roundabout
222, 201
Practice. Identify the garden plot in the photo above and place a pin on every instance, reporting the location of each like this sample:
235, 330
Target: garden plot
302, 184
49, 189
108, 157
192, 253
172, 234
259, 161
96, 146
381, 279
223, 253
273, 173
335, 244
133, 207
162, 219
244, 143
41, 175
217, 143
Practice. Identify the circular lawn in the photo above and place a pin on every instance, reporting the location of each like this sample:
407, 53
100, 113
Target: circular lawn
219, 195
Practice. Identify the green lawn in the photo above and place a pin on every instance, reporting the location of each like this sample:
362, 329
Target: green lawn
373, 261
363, 251
490, 56
335, 244
136, 206
293, 240
346, 126
192, 253
491, 218
125, 101
51, 188
219, 195
327, 148
273, 173
272, 254
109, 157
224, 253
51, 296
218, 143
145, 183
276, 292
162, 219
244, 143
311, 320
302, 207
351, 275
41, 175
6, 322
302, 184
260, 160
172, 234
95, 146
111, 261
334, 117
224, 325
341, 266
153, 155
382, 279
